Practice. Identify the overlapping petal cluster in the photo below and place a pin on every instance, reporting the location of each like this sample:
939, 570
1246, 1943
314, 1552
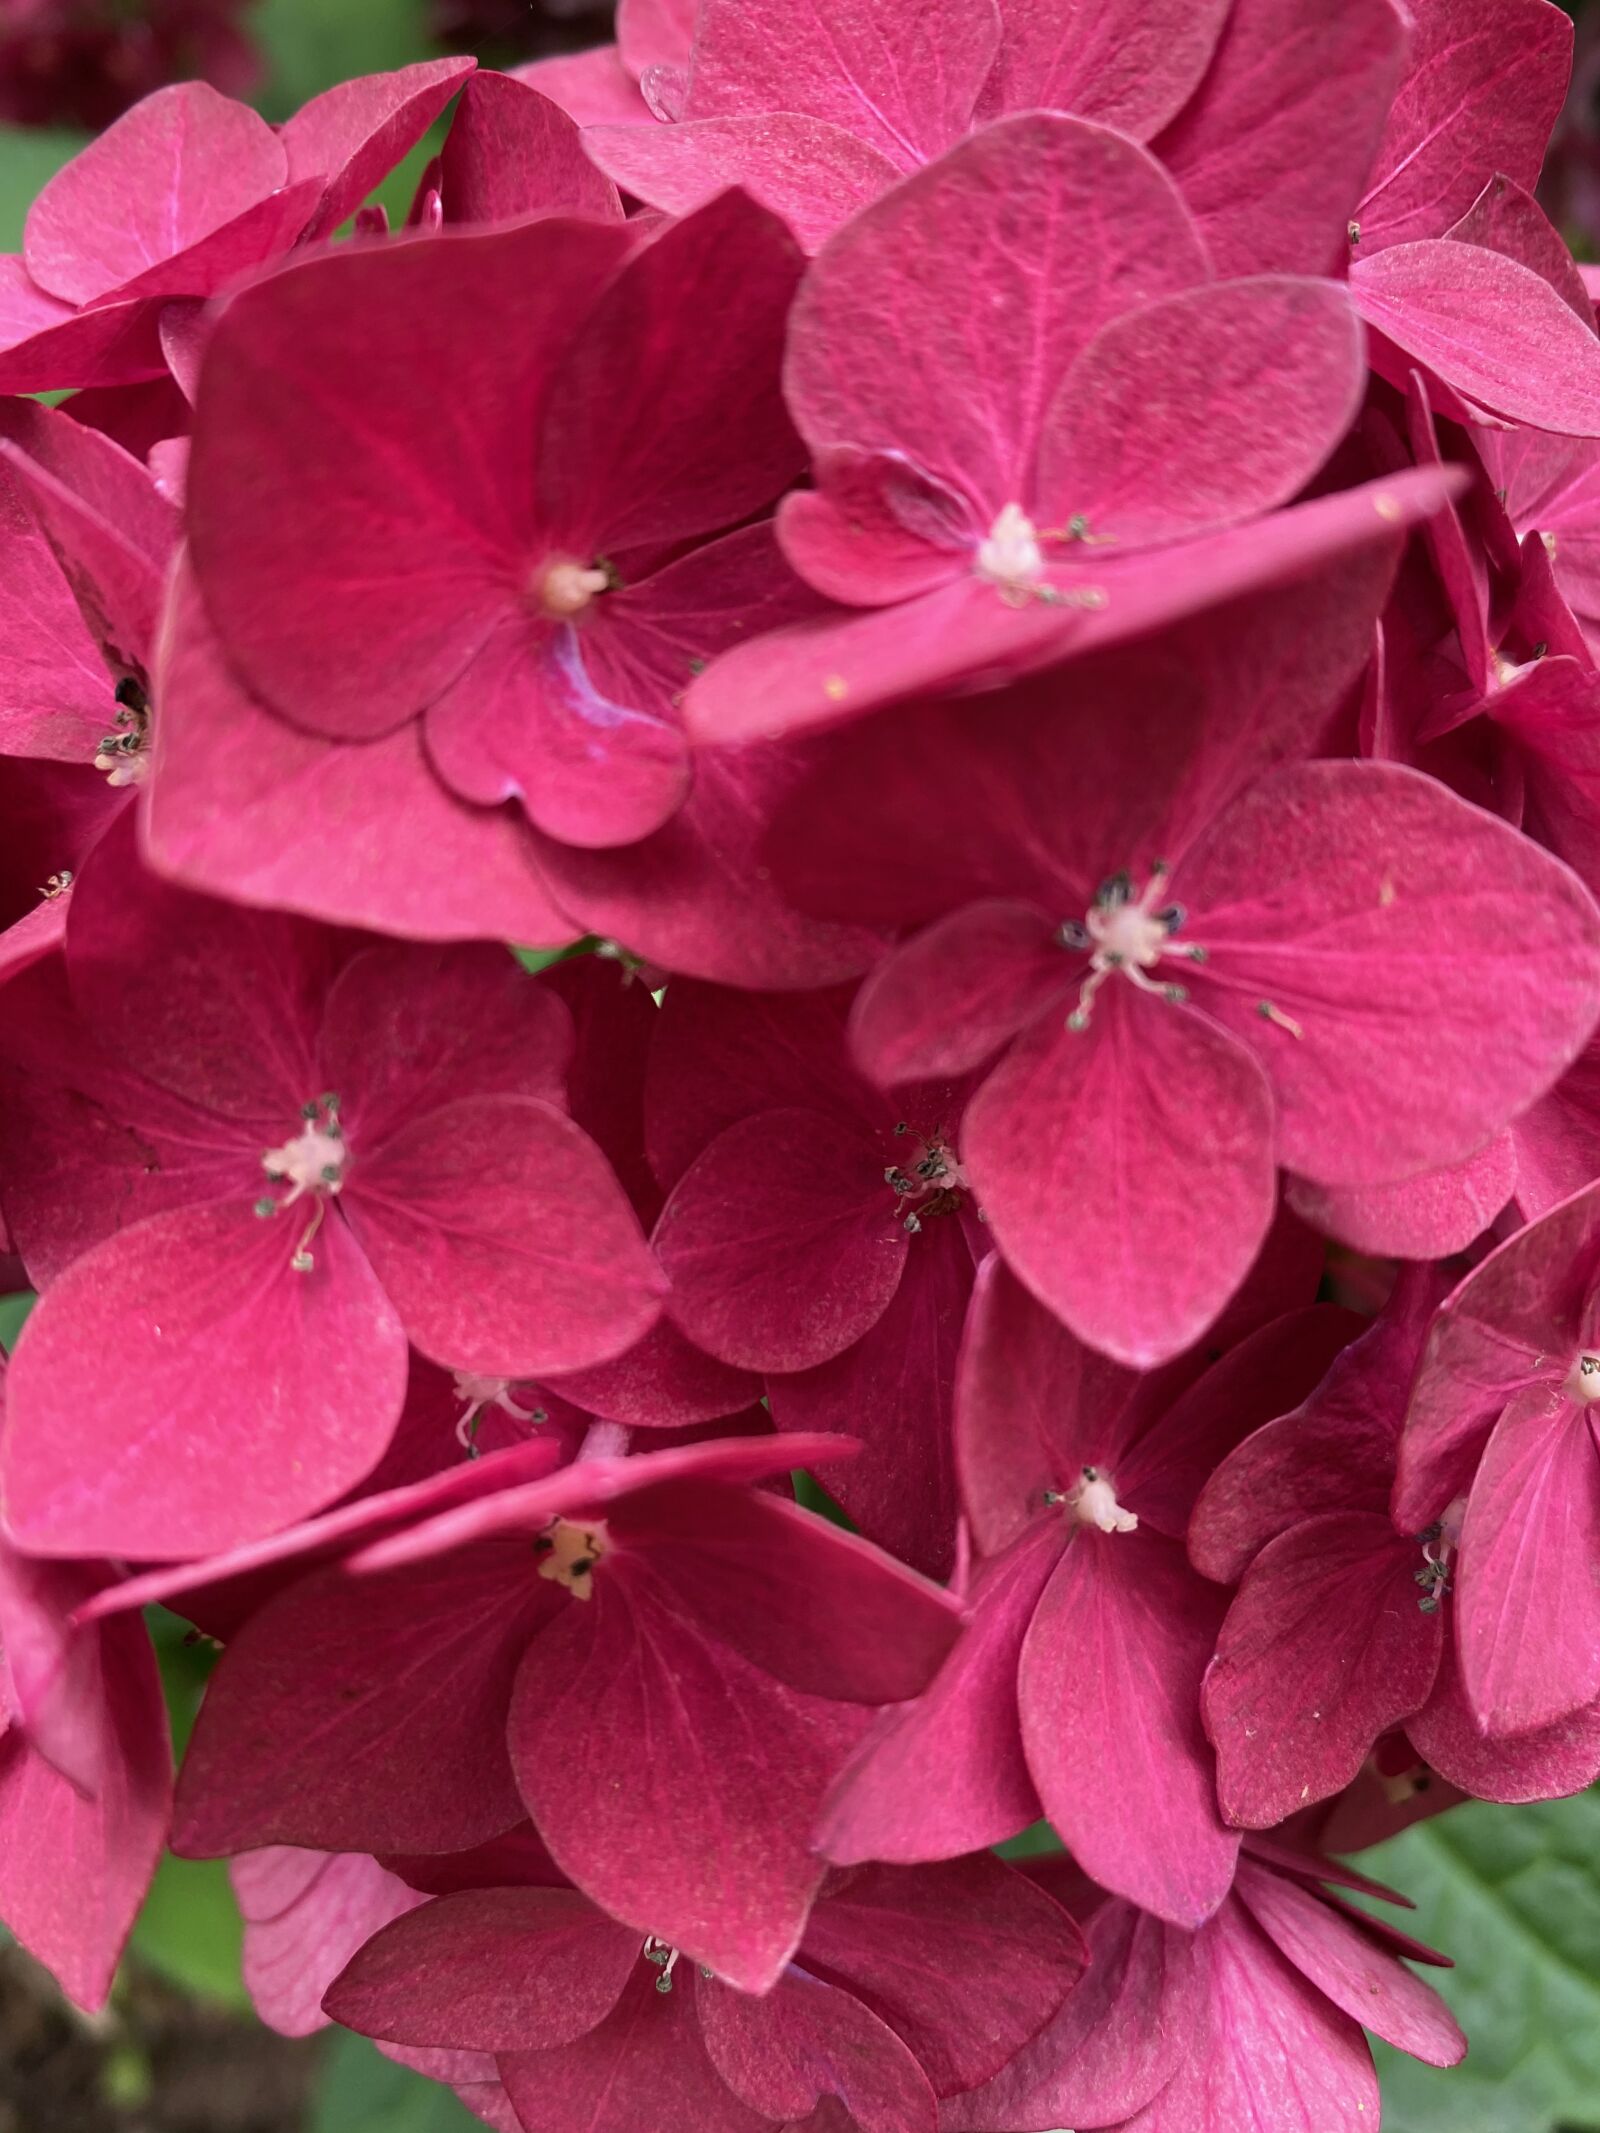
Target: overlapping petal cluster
800, 1047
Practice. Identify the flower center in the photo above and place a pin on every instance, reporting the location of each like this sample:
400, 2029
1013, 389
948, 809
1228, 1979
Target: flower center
563, 590
1583, 1380
477, 1393
666, 1957
124, 753
1010, 556
932, 1182
1092, 1501
313, 1164
1131, 933
1439, 1543
569, 1551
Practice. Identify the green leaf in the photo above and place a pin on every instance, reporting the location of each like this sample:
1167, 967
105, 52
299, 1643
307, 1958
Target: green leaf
363, 2092
1513, 1893
13, 1310
28, 155
190, 1930
310, 45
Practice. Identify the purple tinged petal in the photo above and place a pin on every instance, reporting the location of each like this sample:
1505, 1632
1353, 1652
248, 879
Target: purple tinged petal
512, 153
1490, 328
781, 2055
503, 1240
1430, 1216
248, 807
1547, 1764
1120, 2036
643, 2067
905, 84
356, 132
1126, 1171
294, 1746
1324, 1648
747, 1568
305, 1915
1328, 1947
1529, 1575
170, 171
1110, 1696
946, 1001
1484, 83
959, 387
1375, 911
811, 173
703, 1842
1491, 1339
946, 1774
1200, 409
782, 1241
488, 1970
1273, 151
1130, 65
238, 1397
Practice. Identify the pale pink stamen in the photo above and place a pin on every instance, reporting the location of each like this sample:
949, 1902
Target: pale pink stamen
565, 590
1010, 557
569, 1553
932, 1182
1093, 1502
1583, 1380
311, 1165
481, 1392
1131, 935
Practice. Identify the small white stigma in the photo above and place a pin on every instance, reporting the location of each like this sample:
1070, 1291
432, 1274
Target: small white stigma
312, 1163
1093, 1502
1549, 541
1583, 1380
1011, 557
570, 1552
480, 1392
566, 589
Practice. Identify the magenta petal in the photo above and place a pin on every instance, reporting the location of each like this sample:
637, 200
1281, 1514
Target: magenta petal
1489, 327
893, 1388
1375, 909
238, 1396
906, 84
662, 1382
905, 1943
362, 834
876, 529
1272, 153
645, 2066
1130, 65
1271, 2047
1110, 1696
488, 1970
1506, 218
949, 998
1546, 1764
805, 2040
415, 530
526, 721
781, 1241
1429, 1216
1201, 409
746, 1567
1324, 1649
74, 1871
43, 341
1126, 1171
946, 1774
814, 174
1327, 1946
354, 133
169, 172
1117, 2041
512, 153
1484, 83
507, 1245
702, 1842
957, 386
593, 88
305, 1915
292, 1747
1529, 1590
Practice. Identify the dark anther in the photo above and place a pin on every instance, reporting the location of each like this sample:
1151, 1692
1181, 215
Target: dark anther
1091, 1473
1071, 933
1115, 889
583, 1565
902, 1127
1172, 917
